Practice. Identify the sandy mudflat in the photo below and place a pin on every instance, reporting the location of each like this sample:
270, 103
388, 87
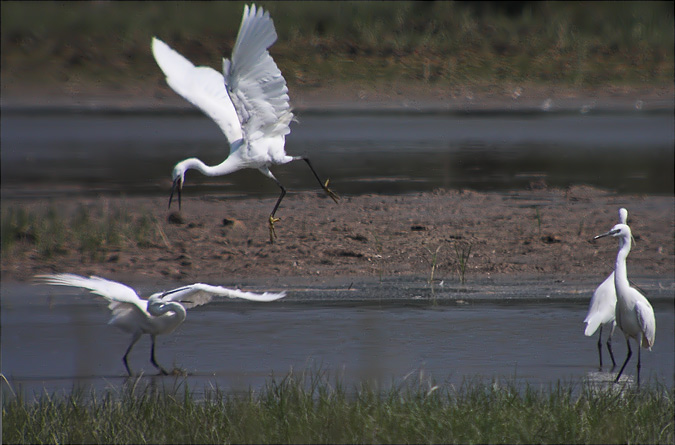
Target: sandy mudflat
522, 233
544, 232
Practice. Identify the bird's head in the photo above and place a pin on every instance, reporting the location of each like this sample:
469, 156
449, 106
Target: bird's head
621, 231
623, 215
157, 305
178, 179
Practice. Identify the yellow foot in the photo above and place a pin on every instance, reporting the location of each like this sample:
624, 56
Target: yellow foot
331, 193
178, 372
273, 233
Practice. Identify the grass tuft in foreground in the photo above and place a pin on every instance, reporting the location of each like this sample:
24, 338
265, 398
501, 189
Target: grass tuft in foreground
307, 408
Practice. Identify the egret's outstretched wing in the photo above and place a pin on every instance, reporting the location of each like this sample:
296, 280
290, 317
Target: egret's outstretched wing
645, 316
198, 294
256, 86
122, 298
202, 86
111, 290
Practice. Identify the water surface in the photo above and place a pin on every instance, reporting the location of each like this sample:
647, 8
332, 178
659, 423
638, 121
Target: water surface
134, 153
56, 339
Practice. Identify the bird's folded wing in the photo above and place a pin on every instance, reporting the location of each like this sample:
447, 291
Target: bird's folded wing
256, 86
645, 316
112, 291
199, 293
602, 307
202, 86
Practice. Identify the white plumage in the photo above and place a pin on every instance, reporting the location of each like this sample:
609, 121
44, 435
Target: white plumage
249, 102
634, 313
602, 307
161, 313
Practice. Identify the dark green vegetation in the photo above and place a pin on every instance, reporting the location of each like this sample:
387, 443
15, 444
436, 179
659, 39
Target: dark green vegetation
482, 44
92, 230
309, 409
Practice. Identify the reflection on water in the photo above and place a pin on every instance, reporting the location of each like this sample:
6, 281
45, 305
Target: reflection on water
56, 338
363, 153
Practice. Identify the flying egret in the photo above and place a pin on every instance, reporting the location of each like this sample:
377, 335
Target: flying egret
602, 307
249, 102
634, 314
161, 313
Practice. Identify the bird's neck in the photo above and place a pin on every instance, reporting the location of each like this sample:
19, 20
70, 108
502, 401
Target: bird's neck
178, 310
229, 165
620, 270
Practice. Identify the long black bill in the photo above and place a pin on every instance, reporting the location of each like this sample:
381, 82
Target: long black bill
610, 233
177, 185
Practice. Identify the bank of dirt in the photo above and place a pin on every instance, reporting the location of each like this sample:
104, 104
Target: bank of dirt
539, 232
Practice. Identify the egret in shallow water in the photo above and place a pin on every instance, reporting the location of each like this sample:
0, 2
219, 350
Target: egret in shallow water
248, 101
634, 313
602, 307
161, 313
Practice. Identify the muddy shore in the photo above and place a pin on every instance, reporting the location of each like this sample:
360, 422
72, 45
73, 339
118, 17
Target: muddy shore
536, 233
531, 232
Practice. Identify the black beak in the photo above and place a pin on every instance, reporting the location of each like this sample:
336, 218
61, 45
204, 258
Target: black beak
611, 232
177, 185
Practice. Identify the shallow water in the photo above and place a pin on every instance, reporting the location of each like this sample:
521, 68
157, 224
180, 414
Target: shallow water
56, 339
46, 154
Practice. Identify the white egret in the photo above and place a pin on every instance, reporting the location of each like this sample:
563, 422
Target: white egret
602, 307
634, 313
161, 313
249, 102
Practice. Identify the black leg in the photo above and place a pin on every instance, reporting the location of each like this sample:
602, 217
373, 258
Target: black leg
638, 366
609, 348
627, 358
134, 339
600, 347
265, 171
152, 358
324, 185
281, 196
273, 233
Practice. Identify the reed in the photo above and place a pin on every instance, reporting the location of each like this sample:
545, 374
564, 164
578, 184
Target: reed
462, 254
311, 408
432, 269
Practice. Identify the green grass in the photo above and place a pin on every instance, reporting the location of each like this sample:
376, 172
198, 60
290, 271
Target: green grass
323, 43
462, 254
93, 231
308, 408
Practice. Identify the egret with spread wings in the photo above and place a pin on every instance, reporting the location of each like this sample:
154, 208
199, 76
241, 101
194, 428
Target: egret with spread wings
161, 313
249, 102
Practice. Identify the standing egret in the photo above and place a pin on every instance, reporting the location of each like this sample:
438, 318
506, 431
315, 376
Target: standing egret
249, 102
161, 313
602, 307
634, 314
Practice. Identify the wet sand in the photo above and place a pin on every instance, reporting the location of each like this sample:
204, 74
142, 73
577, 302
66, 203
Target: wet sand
539, 232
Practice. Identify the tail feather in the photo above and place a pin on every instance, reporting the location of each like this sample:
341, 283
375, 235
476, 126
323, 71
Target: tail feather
592, 324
